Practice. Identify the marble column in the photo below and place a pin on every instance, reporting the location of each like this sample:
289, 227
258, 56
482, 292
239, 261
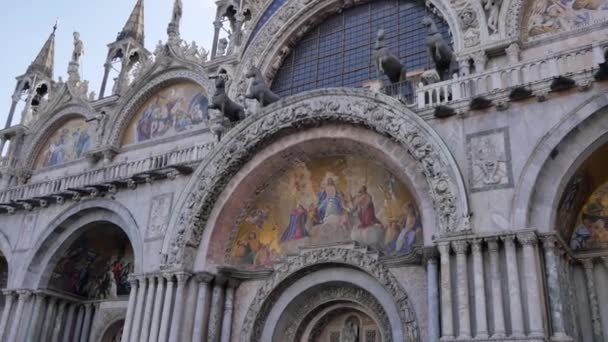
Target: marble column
178, 308
464, 313
160, 288
17, 320
432, 273
69, 322
447, 327
596, 320
37, 317
555, 290
497, 301
78, 326
86, 323
59, 321
147, 319
167, 308
9, 297
534, 302
138, 310
217, 304
126, 332
228, 310
516, 308
481, 319
202, 306
49, 319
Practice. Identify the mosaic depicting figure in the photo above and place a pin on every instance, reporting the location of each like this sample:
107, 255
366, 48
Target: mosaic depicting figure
591, 231
95, 267
172, 110
550, 16
323, 201
68, 143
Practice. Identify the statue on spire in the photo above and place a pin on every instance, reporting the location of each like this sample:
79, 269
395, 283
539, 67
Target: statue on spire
176, 18
78, 48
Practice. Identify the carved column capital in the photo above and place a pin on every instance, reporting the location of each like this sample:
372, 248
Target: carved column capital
509, 240
528, 238
182, 277
549, 242
25, 294
204, 277
492, 244
444, 248
170, 277
587, 263
460, 247
476, 245
430, 254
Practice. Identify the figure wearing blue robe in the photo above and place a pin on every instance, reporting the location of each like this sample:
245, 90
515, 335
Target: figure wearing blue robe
407, 239
297, 222
328, 205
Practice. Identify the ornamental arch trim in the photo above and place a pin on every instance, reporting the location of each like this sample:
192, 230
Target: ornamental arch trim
292, 20
65, 225
396, 313
536, 196
357, 107
44, 129
142, 90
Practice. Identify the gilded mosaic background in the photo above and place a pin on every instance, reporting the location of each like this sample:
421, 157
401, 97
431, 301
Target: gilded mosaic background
175, 109
68, 143
327, 200
551, 16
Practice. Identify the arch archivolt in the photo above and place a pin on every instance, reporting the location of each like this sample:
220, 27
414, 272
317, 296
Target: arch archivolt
63, 230
290, 22
574, 138
375, 112
142, 90
370, 285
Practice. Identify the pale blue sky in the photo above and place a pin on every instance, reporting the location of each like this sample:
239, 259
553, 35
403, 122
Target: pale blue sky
26, 24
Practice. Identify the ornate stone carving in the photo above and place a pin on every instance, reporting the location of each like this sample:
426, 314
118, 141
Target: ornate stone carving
160, 212
492, 8
469, 22
309, 110
528, 238
263, 301
460, 247
489, 157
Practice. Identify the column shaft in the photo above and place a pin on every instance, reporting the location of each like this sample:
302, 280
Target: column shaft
534, 302
17, 319
160, 288
167, 307
596, 320
35, 325
464, 312
555, 290
215, 316
447, 328
139, 310
433, 298
86, 323
497, 300
78, 326
59, 321
126, 332
69, 323
481, 320
49, 319
516, 308
178, 308
147, 320
8, 305
228, 311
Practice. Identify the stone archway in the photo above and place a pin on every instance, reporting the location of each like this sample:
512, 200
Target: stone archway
340, 275
361, 108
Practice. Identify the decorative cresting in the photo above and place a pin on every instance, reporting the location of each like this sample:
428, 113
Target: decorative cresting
46, 127
377, 112
142, 90
285, 273
290, 22
330, 294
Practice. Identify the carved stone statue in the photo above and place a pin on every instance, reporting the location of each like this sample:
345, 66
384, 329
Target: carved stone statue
350, 332
222, 46
78, 48
178, 11
492, 8
220, 101
439, 51
387, 63
258, 89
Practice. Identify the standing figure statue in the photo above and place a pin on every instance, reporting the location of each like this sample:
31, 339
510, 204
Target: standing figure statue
387, 63
492, 8
350, 332
220, 101
78, 48
258, 89
439, 51
178, 11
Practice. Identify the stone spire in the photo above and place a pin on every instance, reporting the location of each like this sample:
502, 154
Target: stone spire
45, 60
134, 28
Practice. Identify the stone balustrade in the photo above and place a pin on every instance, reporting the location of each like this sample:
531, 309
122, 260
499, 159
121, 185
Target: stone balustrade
106, 178
536, 74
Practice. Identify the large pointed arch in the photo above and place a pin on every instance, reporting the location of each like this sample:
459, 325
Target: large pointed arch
379, 113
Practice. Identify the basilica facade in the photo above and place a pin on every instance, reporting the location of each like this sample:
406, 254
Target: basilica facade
327, 170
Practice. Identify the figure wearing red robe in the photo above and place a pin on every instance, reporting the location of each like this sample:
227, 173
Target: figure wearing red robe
365, 209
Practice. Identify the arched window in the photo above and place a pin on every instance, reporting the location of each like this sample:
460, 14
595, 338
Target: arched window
337, 53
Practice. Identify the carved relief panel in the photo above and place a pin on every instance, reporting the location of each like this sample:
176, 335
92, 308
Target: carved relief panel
489, 156
160, 212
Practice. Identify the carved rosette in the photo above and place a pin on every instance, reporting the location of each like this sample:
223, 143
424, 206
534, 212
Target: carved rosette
349, 106
285, 273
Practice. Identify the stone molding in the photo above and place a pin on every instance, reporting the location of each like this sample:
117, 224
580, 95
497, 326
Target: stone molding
300, 265
379, 113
